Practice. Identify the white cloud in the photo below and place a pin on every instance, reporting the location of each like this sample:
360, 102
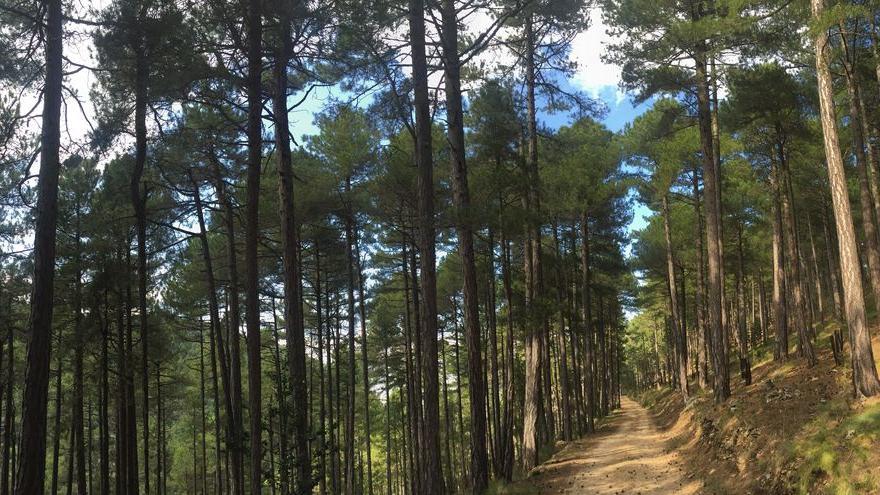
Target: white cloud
594, 75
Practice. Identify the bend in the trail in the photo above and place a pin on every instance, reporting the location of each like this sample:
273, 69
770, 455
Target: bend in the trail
628, 455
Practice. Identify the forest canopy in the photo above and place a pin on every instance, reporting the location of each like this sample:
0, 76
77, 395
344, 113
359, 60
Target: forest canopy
398, 247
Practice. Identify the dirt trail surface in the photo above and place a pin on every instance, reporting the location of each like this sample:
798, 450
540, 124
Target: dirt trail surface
628, 455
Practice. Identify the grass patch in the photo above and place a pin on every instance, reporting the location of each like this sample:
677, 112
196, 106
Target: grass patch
838, 452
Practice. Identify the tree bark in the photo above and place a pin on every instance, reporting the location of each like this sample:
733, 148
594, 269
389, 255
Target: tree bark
433, 474
700, 290
865, 379
293, 313
780, 312
675, 314
32, 471
479, 469
252, 234
711, 184
587, 308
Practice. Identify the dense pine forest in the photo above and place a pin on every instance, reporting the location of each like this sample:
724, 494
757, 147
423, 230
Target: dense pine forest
396, 247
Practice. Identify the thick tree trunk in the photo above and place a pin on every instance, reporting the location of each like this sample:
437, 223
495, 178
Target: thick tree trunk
865, 377
293, 314
479, 468
252, 235
433, 474
32, 470
866, 199
533, 407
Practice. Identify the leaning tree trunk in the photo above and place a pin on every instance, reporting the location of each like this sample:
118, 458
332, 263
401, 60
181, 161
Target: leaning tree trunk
433, 473
32, 470
866, 201
479, 468
865, 379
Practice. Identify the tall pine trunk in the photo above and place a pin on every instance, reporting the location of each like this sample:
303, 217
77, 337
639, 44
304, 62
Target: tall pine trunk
293, 317
479, 468
433, 474
711, 184
32, 470
252, 235
675, 312
865, 379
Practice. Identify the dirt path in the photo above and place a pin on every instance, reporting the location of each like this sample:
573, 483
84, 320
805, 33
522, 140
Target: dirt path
627, 456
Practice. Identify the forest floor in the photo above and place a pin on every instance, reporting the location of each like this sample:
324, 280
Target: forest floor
629, 454
795, 430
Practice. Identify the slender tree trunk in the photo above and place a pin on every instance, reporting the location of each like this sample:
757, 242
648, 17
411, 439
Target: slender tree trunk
103, 408
78, 431
202, 406
412, 387
350, 416
675, 313
362, 309
322, 414
9, 419
700, 289
388, 448
711, 184
281, 397
745, 366
233, 409
56, 430
32, 470
497, 438
865, 379
780, 312
587, 308
805, 347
